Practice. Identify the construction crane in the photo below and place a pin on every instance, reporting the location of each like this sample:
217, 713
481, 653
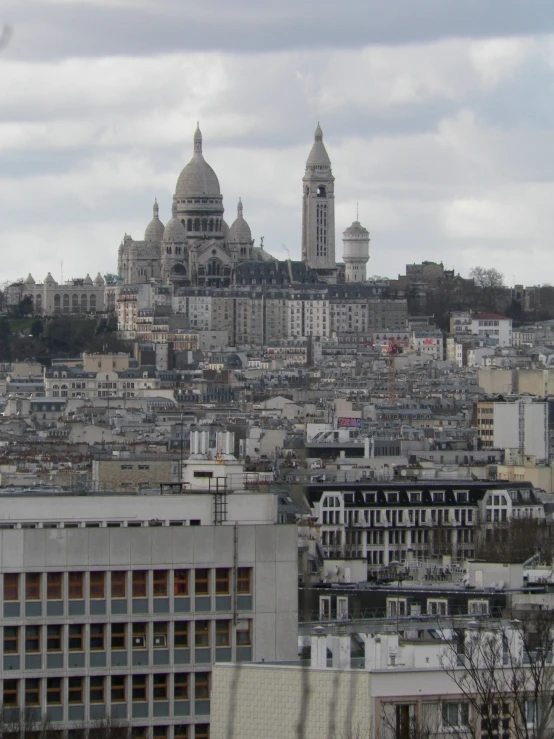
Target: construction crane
392, 350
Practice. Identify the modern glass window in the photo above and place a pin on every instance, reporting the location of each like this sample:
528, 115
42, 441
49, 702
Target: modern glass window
160, 634
75, 587
181, 686
202, 582
11, 586
202, 633
244, 581
54, 690
222, 581
244, 634
54, 638
11, 639
159, 583
202, 686
97, 585
139, 636
181, 634
140, 584
32, 638
76, 637
32, 586
139, 688
223, 633
118, 689
75, 690
11, 693
119, 584
32, 692
181, 582
97, 636
96, 690
159, 687
54, 582
118, 636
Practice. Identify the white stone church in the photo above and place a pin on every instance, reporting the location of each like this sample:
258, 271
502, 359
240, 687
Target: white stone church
196, 247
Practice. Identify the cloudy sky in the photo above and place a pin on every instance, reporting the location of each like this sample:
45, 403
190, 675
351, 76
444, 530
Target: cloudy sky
438, 116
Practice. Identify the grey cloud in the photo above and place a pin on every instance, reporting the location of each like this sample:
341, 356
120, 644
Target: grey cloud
56, 29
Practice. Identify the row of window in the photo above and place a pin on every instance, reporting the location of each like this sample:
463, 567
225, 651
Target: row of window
119, 688
437, 496
373, 517
117, 635
116, 582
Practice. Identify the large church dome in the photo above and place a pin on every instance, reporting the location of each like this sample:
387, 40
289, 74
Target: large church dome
155, 229
197, 179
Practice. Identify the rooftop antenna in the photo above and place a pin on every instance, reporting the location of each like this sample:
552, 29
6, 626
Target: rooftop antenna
357, 214
61, 272
286, 249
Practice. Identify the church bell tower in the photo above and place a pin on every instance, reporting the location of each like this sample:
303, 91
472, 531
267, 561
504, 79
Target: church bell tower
318, 212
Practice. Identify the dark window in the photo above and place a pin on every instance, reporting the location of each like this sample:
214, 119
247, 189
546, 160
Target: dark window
140, 584
32, 586
181, 582
202, 582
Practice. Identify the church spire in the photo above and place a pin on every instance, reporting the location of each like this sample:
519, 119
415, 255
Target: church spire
239, 209
156, 208
198, 139
318, 136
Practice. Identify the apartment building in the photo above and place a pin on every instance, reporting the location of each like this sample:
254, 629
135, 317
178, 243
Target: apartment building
118, 606
256, 315
395, 522
399, 686
520, 424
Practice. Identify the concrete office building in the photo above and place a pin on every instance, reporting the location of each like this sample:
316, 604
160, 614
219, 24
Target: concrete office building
118, 605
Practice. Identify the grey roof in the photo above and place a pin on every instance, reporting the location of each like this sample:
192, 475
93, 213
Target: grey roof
318, 156
174, 231
197, 178
240, 233
356, 229
155, 229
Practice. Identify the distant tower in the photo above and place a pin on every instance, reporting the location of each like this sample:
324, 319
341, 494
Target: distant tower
355, 253
318, 212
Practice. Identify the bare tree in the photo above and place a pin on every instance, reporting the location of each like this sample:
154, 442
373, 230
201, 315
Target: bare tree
514, 541
491, 287
506, 676
24, 722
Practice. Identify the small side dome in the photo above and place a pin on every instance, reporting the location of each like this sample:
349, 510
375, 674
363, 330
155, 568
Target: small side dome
155, 230
240, 233
174, 232
49, 280
30, 280
87, 280
99, 280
